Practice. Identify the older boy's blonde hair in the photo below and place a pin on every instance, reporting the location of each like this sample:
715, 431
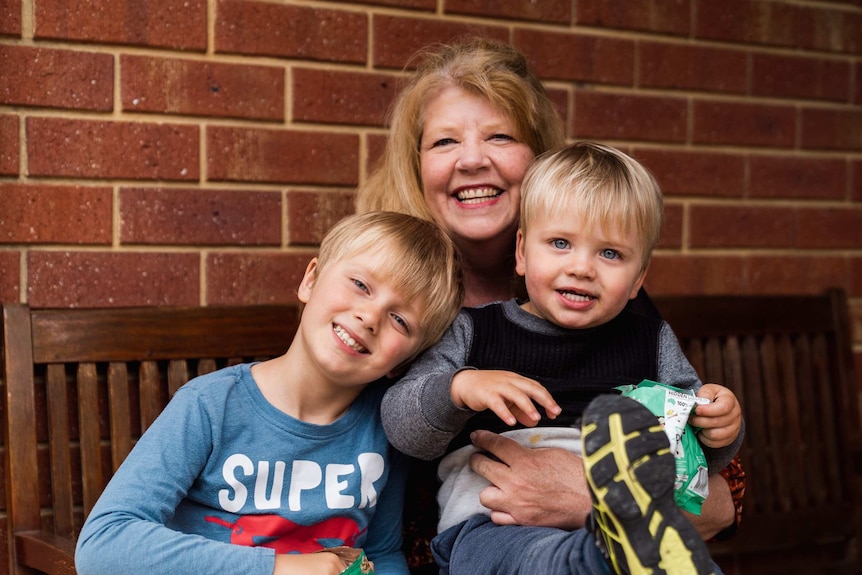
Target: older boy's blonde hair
492, 70
602, 184
422, 262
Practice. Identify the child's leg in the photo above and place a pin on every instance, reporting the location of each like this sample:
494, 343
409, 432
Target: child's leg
630, 471
479, 547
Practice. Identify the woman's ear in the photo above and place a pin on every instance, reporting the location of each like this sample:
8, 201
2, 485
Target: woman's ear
307, 283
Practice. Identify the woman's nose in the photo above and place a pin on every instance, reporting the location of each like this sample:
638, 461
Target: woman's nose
472, 156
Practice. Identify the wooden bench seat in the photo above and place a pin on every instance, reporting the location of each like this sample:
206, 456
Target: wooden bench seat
82, 385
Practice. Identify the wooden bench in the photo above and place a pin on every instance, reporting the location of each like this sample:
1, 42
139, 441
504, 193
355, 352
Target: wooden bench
81, 385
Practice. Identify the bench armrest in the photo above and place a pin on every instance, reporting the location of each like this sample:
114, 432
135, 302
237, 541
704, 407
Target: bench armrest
46, 552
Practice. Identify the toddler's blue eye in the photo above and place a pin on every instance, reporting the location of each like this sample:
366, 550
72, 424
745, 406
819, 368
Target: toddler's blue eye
610, 254
560, 244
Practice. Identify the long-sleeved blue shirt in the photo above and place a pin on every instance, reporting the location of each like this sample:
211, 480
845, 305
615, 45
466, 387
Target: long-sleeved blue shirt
223, 480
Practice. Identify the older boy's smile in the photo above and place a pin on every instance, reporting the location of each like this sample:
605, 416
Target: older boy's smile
348, 340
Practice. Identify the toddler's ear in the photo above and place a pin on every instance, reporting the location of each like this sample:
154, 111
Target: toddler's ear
307, 283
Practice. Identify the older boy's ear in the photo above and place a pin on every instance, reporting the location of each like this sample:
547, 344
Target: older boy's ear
520, 264
307, 283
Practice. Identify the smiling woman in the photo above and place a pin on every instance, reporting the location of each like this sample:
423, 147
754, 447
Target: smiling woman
462, 134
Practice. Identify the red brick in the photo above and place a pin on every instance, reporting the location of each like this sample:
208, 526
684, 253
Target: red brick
664, 16
173, 86
560, 56
835, 228
795, 177
254, 278
96, 279
741, 226
56, 78
796, 274
833, 30
310, 214
268, 29
782, 76
632, 117
549, 11
41, 214
689, 67
397, 39
9, 145
695, 173
339, 97
10, 17
94, 149
10, 274
254, 155
695, 275
744, 21
375, 144
204, 217
426, 5
832, 129
671, 229
744, 124
180, 24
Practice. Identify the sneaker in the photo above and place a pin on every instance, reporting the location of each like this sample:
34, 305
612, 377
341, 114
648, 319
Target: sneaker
630, 471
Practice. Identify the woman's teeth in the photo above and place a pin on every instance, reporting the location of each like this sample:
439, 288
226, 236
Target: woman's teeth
345, 337
477, 195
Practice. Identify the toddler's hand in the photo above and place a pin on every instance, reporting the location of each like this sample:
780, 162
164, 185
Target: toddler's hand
721, 419
507, 394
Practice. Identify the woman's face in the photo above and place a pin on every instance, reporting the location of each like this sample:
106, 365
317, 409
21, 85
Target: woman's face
471, 165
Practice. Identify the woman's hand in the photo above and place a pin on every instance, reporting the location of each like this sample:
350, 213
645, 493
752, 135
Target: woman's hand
542, 486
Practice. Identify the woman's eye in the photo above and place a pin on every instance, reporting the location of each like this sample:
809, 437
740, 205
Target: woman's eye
361, 285
505, 137
610, 254
442, 142
560, 244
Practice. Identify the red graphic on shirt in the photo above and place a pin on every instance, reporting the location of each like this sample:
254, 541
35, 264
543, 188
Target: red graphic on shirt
285, 536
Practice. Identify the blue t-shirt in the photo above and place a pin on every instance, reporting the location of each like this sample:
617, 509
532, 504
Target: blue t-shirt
243, 481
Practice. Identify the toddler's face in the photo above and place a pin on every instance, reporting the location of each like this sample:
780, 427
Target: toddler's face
578, 275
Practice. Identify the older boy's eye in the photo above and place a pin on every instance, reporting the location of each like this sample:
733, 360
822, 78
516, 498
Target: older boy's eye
401, 322
560, 244
361, 285
610, 254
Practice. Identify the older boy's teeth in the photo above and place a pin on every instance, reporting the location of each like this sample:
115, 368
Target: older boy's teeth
476, 195
345, 337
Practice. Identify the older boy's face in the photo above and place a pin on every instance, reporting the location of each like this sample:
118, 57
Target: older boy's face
356, 326
578, 276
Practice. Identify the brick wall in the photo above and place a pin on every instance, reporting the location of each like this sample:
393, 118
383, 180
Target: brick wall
160, 152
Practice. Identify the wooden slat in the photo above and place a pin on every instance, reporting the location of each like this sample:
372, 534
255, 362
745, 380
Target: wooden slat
757, 437
120, 412
152, 400
130, 334
61, 467
90, 436
20, 432
178, 374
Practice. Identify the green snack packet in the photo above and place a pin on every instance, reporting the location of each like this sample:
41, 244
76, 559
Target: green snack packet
354, 560
673, 406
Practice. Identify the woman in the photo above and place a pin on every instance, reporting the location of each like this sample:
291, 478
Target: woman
462, 134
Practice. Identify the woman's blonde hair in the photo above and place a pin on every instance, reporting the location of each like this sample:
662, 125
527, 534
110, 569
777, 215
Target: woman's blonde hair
602, 184
421, 262
487, 68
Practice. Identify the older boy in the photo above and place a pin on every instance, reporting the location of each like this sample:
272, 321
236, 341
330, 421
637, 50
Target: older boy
253, 468
590, 217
